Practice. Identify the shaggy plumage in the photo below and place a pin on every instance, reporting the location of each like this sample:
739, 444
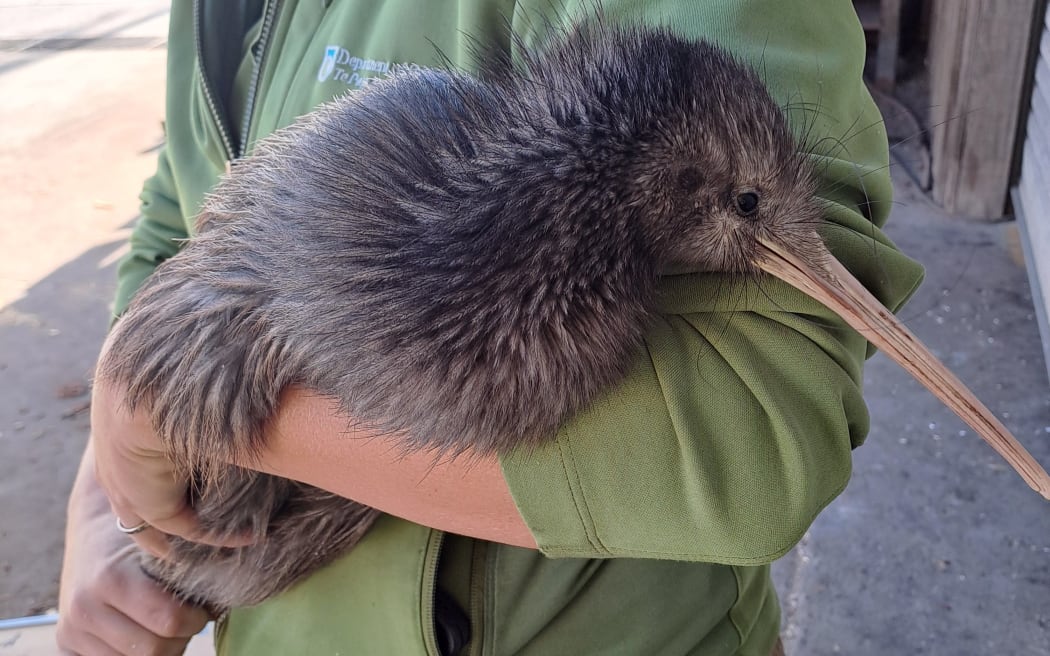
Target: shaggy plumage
463, 261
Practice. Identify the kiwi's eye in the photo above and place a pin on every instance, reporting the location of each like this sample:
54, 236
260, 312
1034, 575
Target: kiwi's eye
746, 203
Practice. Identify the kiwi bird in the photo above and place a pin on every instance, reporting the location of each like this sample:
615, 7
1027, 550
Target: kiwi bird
464, 262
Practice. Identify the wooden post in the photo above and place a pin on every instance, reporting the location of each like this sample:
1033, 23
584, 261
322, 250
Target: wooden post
977, 67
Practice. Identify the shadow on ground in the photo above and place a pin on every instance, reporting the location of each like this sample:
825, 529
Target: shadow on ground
48, 343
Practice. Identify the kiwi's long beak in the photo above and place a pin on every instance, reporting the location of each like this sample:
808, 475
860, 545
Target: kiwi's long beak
836, 288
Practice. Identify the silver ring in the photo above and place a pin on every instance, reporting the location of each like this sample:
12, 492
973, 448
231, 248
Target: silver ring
131, 530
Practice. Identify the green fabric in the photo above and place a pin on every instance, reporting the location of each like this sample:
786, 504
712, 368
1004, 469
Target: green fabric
731, 433
368, 604
534, 606
623, 606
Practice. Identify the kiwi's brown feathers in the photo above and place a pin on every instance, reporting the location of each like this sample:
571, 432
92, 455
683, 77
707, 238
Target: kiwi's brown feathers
463, 261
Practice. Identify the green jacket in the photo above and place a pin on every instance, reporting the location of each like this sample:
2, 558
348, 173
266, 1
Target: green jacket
658, 510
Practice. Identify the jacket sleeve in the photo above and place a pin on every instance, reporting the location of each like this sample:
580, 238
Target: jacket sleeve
162, 225
735, 427
157, 235
188, 165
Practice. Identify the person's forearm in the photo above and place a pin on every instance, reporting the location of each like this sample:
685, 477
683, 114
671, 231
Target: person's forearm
308, 440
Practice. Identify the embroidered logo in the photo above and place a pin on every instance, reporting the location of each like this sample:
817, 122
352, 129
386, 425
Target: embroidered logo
328, 63
340, 66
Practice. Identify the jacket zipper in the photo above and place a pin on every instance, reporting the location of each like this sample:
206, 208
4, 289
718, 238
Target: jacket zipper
209, 91
429, 590
230, 152
269, 13
480, 576
433, 553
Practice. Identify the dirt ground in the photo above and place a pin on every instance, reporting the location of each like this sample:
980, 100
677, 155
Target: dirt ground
936, 548
78, 133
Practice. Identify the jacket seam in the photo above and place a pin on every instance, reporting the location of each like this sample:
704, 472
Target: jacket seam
739, 594
700, 557
578, 499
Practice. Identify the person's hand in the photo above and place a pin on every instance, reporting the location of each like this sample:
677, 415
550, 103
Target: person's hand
140, 481
107, 605
136, 476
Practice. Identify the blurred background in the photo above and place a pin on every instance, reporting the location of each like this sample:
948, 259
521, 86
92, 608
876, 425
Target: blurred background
936, 547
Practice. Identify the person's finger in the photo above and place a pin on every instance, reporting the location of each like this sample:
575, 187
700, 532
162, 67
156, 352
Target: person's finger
150, 540
184, 524
132, 467
140, 489
153, 542
82, 643
128, 637
102, 629
154, 610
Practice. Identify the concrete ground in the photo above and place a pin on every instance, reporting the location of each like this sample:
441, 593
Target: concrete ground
936, 548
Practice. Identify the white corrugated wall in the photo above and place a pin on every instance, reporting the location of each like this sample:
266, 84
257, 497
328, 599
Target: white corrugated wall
1032, 194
